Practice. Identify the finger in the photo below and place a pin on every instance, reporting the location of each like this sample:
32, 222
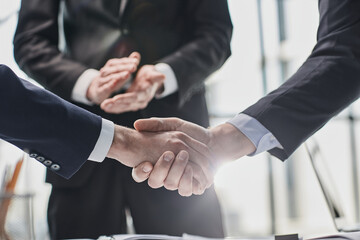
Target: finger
124, 102
158, 124
130, 67
173, 124
124, 107
135, 55
106, 89
109, 87
142, 171
204, 164
199, 179
186, 182
143, 95
119, 108
161, 170
196, 188
119, 61
199, 154
139, 86
118, 77
177, 169
155, 76
125, 98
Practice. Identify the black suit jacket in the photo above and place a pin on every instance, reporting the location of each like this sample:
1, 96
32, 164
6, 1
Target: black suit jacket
192, 36
324, 85
56, 133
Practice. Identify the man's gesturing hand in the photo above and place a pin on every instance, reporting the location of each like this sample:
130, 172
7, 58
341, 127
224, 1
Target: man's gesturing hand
112, 77
147, 83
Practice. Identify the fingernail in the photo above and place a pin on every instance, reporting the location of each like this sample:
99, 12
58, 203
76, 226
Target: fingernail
146, 169
183, 155
168, 157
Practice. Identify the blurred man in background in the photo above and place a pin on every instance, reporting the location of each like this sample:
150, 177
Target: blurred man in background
125, 60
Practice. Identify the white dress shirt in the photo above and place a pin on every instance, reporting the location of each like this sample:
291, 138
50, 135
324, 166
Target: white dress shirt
104, 141
261, 137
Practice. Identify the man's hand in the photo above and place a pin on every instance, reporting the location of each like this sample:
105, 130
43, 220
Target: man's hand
147, 83
131, 148
225, 141
112, 77
172, 174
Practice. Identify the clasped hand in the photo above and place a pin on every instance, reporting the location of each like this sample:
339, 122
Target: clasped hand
191, 169
224, 143
180, 172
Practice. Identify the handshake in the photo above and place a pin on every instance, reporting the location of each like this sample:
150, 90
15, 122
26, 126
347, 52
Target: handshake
177, 154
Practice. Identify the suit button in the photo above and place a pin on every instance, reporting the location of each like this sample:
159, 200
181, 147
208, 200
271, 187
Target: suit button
47, 163
33, 155
40, 158
55, 167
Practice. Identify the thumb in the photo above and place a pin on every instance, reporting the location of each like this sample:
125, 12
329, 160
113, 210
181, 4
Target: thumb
156, 77
157, 124
135, 55
142, 171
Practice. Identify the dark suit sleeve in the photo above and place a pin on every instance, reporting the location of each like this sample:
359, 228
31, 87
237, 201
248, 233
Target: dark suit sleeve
207, 49
324, 85
48, 127
36, 48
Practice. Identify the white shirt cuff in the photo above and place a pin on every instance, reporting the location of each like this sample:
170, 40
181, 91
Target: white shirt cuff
81, 86
261, 137
104, 141
170, 82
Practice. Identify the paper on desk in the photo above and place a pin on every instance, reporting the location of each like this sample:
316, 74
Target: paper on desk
144, 237
339, 236
167, 237
192, 237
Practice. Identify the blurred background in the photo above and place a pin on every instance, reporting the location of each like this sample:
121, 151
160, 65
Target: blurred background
259, 195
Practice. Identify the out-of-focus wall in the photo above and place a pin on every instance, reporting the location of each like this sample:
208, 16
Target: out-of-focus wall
243, 185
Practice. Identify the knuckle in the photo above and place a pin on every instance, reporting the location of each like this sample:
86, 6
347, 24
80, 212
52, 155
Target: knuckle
177, 144
180, 135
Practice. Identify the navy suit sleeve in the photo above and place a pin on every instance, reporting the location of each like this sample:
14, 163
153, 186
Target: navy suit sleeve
55, 132
323, 86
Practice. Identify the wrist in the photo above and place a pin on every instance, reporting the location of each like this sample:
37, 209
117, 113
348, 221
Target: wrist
228, 143
89, 94
121, 144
